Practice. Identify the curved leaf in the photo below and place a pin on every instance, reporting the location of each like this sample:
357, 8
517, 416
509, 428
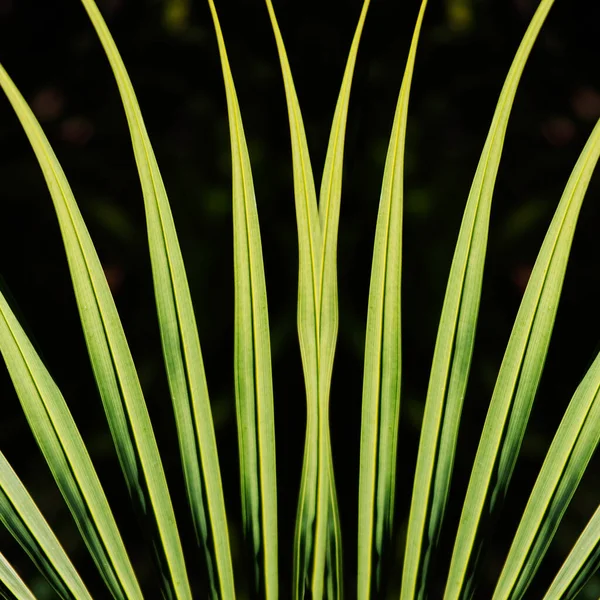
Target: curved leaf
569, 454
581, 564
519, 374
382, 371
454, 349
253, 379
317, 554
66, 455
111, 360
179, 335
27, 525
12, 583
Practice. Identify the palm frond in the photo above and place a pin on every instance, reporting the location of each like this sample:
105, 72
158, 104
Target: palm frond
520, 372
454, 347
317, 551
111, 360
66, 455
179, 335
318, 536
575, 441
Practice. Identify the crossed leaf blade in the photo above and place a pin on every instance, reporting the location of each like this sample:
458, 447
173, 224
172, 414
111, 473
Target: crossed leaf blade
519, 375
317, 554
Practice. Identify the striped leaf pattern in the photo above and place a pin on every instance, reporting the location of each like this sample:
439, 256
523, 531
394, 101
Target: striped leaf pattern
317, 552
253, 379
317, 560
383, 351
111, 360
180, 342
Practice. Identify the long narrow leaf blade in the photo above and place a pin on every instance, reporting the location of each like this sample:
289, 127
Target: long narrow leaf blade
253, 378
318, 537
181, 345
383, 352
570, 452
519, 374
455, 341
11, 583
111, 360
309, 257
66, 455
25, 522
581, 564
327, 528
518, 379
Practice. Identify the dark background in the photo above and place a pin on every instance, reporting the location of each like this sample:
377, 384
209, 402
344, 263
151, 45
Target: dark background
51, 52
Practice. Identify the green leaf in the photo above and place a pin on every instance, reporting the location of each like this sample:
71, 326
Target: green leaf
26, 524
581, 564
66, 454
382, 371
309, 251
11, 583
327, 565
454, 350
253, 379
111, 360
519, 374
521, 368
179, 335
563, 468
317, 554
574, 442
